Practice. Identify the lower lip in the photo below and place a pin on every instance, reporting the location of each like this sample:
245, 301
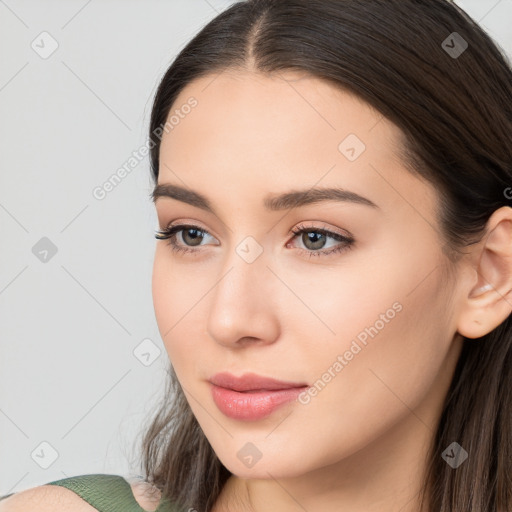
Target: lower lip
252, 405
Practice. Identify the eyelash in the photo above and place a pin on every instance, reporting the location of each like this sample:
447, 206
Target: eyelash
170, 232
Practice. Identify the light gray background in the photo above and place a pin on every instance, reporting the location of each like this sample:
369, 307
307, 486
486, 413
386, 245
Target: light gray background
69, 326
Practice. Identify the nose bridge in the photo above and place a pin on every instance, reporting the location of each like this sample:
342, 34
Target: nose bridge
241, 301
245, 264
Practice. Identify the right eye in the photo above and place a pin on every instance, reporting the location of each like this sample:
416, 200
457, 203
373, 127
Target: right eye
189, 233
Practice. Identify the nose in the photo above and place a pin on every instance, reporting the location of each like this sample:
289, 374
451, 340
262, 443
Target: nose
243, 304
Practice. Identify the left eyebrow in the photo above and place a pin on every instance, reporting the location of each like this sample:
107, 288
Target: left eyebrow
297, 198
276, 202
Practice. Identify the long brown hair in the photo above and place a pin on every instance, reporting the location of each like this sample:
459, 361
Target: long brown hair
451, 95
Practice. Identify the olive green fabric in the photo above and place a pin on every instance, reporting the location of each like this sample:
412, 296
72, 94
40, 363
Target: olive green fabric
106, 493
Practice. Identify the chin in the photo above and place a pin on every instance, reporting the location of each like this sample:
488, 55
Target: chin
271, 465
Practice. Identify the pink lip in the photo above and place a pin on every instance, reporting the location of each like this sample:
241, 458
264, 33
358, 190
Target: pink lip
251, 397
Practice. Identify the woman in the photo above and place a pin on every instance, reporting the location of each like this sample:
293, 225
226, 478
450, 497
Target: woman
333, 276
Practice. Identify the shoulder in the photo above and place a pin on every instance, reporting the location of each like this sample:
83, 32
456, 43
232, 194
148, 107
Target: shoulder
56, 498
45, 498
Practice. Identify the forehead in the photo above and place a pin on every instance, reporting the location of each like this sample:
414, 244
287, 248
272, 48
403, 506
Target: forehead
288, 113
248, 108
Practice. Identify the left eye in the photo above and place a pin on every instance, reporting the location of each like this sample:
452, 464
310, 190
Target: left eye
315, 238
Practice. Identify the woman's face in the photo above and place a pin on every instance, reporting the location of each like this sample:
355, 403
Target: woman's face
368, 326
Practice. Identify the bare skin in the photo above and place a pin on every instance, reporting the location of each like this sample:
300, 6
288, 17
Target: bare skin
360, 443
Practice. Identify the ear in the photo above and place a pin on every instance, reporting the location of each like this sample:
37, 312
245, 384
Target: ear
488, 301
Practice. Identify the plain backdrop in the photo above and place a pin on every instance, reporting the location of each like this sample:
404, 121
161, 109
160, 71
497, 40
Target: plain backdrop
81, 360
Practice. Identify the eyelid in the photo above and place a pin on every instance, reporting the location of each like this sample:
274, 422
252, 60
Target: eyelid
187, 223
176, 227
293, 231
346, 241
304, 226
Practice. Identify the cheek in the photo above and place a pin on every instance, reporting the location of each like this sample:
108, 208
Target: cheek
392, 339
162, 293
167, 296
177, 300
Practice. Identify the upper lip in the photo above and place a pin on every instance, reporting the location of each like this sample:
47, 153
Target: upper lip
250, 382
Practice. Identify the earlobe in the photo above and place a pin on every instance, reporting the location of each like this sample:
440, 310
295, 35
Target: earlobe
489, 301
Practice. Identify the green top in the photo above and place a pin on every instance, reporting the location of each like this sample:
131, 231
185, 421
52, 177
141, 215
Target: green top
106, 493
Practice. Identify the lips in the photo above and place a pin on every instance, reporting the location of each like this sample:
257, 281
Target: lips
251, 397
252, 382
